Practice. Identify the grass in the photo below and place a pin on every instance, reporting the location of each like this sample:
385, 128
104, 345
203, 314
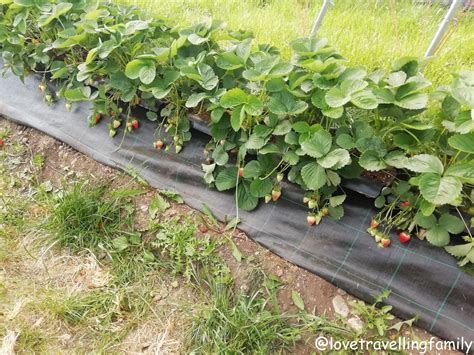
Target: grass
85, 216
245, 321
371, 33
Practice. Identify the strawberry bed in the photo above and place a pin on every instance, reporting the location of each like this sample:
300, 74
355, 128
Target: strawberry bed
313, 121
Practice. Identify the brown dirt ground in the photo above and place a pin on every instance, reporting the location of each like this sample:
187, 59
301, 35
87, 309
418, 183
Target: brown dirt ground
61, 160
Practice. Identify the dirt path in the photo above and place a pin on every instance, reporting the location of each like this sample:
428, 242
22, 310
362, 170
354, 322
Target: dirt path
34, 276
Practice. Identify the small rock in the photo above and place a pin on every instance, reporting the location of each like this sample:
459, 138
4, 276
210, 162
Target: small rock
355, 323
340, 306
341, 292
174, 284
279, 272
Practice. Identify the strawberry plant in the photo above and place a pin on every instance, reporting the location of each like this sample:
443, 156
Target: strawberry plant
312, 121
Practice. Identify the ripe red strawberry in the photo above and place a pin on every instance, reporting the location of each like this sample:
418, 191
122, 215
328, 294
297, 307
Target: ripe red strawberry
404, 203
404, 237
2, 143
385, 243
276, 195
159, 144
98, 117
311, 219
135, 124
241, 172
374, 224
325, 211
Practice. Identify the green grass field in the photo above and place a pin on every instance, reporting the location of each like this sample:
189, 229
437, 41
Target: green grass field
370, 33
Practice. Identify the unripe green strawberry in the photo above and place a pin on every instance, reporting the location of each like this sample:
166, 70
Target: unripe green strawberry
178, 148
116, 124
312, 203
280, 177
268, 198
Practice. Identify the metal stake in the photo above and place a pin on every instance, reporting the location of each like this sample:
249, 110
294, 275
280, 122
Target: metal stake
319, 18
443, 27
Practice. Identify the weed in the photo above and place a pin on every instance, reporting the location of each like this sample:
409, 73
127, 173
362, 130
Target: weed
186, 254
85, 217
244, 322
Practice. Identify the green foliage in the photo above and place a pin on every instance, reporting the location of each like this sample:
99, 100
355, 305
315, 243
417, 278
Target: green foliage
183, 252
313, 121
87, 216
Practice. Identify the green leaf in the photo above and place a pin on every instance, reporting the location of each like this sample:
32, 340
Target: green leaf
438, 236
426, 222
335, 159
194, 99
229, 61
208, 212
260, 188
157, 204
255, 142
313, 175
172, 195
336, 98
226, 179
147, 72
460, 250
297, 300
282, 128
379, 202
77, 94
120, 243
237, 118
245, 199
345, 141
365, 100
464, 95
301, 127
233, 98
252, 169
220, 156
132, 69
58, 10
463, 171
413, 102
424, 163
371, 161
462, 142
335, 201
451, 223
336, 212
439, 190
427, 208
318, 145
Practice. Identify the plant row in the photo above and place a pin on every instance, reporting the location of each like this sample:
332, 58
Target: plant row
312, 120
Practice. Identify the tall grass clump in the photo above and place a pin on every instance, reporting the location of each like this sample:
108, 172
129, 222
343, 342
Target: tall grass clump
85, 216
